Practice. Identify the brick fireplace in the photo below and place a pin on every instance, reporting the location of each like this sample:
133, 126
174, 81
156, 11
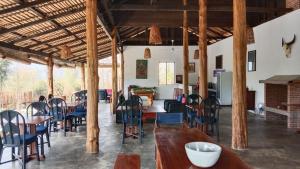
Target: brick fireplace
282, 99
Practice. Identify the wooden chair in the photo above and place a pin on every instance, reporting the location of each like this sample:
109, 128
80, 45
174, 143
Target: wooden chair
128, 161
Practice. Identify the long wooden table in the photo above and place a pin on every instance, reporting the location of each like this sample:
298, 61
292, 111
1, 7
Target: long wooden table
170, 151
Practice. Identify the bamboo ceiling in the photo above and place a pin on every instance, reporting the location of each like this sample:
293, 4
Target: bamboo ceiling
42, 27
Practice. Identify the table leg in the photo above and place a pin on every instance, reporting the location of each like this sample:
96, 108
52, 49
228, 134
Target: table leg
32, 146
158, 162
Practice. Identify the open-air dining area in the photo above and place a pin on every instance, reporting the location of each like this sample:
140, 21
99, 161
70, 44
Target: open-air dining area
149, 84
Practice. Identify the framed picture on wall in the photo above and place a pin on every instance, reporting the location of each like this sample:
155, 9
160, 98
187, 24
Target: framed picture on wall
141, 69
219, 62
252, 61
179, 79
192, 67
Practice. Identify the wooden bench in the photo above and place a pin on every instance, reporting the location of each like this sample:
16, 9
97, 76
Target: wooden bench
128, 161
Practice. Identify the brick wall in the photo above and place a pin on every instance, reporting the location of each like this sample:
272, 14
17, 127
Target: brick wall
275, 95
294, 105
295, 4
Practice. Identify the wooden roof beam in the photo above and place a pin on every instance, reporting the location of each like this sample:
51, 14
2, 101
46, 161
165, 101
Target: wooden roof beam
84, 55
50, 31
22, 49
72, 41
104, 47
24, 5
192, 8
55, 39
72, 11
110, 17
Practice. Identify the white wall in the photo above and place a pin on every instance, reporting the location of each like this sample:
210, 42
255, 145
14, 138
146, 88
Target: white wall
158, 54
270, 57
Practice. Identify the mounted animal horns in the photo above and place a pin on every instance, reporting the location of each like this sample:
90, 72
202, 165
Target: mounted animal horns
289, 43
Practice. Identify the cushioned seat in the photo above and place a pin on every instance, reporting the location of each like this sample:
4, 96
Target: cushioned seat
29, 138
41, 129
78, 114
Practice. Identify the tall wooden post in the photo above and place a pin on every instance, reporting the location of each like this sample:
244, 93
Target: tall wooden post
82, 76
122, 69
50, 76
114, 71
185, 51
92, 141
203, 90
239, 116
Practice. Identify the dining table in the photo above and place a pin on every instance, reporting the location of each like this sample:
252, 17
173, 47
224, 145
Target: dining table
170, 150
32, 123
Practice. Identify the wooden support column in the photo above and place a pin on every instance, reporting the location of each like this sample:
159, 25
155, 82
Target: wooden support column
82, 76
185, 51
114, 71
203, 90
92, 141
50, 76
239, 116
122, 69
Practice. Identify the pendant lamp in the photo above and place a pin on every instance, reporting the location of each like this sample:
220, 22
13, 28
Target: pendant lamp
155, 37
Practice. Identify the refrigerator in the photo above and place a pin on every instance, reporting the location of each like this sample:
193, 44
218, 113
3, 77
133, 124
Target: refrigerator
224, 88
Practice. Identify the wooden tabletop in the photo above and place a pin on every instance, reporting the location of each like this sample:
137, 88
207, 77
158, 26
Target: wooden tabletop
37, 119
128, 161
170, 151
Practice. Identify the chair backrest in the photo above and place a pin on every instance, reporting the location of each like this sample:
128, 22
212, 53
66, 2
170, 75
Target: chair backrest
169, 118
37, 109
102, 94
132, 112
211, 107
121, 100
12, 124
81, 107
79, 96
194, 99
136, 99
58, 108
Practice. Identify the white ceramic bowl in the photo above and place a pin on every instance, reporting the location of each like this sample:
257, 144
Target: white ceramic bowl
203, 154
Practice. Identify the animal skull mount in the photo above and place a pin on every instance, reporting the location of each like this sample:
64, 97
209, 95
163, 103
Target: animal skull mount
287, 46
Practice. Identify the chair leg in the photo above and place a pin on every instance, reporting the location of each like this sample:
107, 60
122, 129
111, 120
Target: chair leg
24, 156
1, 152
218, 134
48, 138
42, 145
65, 124
37, 150
124, 133
13, 153
140, 132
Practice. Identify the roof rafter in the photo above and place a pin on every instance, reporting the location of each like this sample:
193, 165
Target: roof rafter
50, 31
45, 19
24, 5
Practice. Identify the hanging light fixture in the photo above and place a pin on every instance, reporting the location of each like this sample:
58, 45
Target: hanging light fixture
65, 52
147, 53
196, 54
155, 38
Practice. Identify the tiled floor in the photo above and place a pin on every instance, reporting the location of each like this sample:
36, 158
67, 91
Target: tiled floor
271, 146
